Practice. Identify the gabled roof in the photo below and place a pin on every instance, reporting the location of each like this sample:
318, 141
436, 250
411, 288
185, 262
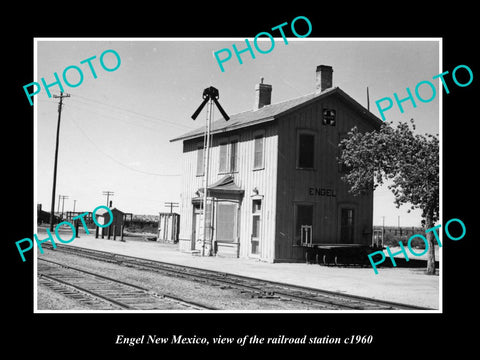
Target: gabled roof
102, 211
225, 184
270, 112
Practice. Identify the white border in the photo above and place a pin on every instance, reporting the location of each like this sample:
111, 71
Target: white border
339, 39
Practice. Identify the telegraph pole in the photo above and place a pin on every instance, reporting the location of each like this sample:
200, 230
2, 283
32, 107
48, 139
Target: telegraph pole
171, 205
108, 193
63, 197
52, 216
368, 100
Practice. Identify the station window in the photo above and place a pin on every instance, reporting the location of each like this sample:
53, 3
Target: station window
306, 150
223, 163
228, 161
347, 226
258, 152
256, 226
234, 156
200, 164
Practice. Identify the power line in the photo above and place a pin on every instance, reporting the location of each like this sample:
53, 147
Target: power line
153, 120
75, 106
115, 160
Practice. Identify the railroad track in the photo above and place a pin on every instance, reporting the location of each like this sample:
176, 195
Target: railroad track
100, 292
321, 299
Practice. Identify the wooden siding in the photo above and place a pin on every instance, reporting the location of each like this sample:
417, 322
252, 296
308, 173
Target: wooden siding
280, 185
264, 180
295, 185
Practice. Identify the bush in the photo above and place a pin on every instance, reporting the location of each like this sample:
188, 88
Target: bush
142, 226
393, 240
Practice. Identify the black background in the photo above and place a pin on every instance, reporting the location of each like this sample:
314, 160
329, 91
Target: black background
60, 335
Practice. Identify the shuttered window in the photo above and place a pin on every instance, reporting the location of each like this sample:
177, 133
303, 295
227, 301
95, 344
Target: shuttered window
226, 221
233, 156
223, 158
258, 152
200, 165
228, 157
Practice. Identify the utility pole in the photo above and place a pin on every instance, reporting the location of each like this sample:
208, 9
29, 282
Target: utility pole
52, 216
63, 197
74, 201
368, 100
383, 228
108, 193
171, 205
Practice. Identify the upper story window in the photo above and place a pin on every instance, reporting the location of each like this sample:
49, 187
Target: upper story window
223, 164
258, 152
234, 156
228, 157
200, 164
305, 149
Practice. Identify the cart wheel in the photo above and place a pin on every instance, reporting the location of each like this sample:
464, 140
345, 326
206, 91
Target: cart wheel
337, 262
325, 259
317, 260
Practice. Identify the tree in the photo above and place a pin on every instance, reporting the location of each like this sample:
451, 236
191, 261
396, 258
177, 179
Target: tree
409, 161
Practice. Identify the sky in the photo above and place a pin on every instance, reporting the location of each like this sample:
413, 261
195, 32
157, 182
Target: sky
116, 129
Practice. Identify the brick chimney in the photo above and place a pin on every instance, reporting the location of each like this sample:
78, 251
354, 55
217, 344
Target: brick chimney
263, 95
324, 77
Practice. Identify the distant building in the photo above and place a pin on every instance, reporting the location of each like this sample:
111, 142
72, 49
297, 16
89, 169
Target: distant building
273, 172
168, 227
43, 217
115, 228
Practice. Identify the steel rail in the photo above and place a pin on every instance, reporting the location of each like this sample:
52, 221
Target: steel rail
256, 285
115, 281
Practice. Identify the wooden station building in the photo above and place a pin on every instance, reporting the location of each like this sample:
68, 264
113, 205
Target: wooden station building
273, 173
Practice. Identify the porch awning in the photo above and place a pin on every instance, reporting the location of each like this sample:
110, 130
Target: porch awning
224, 185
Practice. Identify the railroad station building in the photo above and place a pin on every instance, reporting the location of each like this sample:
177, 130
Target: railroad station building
274, 179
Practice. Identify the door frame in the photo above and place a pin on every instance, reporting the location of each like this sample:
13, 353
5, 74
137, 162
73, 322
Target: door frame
197, 211
354, 207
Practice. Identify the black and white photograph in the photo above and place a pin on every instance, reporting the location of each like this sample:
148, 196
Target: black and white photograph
281, 187
282, 229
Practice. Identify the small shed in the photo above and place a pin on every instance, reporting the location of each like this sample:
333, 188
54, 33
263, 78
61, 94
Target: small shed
115, 228
168, 227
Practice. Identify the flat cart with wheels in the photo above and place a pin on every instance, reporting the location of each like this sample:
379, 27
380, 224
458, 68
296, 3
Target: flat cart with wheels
338, 254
